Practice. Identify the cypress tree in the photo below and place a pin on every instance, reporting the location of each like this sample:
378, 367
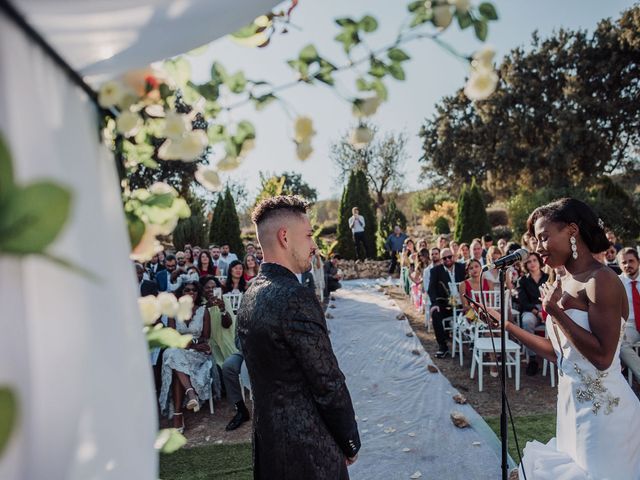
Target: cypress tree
192, 230
472, 220
215, 232
225, 224
364, 203
390, 218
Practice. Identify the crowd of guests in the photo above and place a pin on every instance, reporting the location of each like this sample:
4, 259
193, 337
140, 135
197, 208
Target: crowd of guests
210, 366
428, 273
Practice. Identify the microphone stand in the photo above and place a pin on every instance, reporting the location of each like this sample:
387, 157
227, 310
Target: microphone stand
503, 373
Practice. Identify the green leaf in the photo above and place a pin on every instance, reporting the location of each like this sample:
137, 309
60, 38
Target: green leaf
378, 68
169, 440
8, 416
481, 29
33, 216
264, 100
179, 69
300, 66
396, 71
232, 148
163, 200
165, 91
136, 228
216, 133
308, 54
368, 24
413, 6
236, 82
244, 131
397, 55
420, 17
344, 22
209, 90
348, 37
362, 85
379, 87
464, 20
488, 11
218, 73
246, 31
167, 338
6, 171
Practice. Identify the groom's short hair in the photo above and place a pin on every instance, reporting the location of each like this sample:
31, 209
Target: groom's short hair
280, 206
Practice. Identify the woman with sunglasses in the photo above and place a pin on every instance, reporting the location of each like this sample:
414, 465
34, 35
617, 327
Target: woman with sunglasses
186, 372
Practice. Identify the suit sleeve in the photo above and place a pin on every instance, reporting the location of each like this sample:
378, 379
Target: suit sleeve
433, 286
306, 335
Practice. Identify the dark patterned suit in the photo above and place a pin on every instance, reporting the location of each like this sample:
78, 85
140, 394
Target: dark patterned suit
303, 422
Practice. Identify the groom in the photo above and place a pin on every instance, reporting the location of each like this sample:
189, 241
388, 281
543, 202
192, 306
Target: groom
304, 425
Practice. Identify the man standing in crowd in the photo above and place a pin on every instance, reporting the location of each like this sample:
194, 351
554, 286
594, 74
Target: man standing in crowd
250, 249
226, 255
610, 256
394, 245
304, 423
440, 279
442, 241
629, 262
611, 236
487, 243
331, 275
221, 266
259, 255
356, 224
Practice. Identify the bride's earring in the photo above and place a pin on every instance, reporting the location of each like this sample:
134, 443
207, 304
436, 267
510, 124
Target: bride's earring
574, 248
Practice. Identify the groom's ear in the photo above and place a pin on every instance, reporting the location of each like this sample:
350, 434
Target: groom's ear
283, 237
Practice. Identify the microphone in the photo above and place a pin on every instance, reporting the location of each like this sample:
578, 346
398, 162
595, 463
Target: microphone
517, 256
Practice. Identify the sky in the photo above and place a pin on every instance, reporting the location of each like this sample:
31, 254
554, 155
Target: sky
431, 74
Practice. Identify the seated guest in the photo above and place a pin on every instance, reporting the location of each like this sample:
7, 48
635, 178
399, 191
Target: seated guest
476, 250
188, 255
307, 279
187, 372
221, 266
223, 322
529, 300
225, 254
464, 253
182, 263
611, 236
168, 279
196, 254
231, 376
235, 282
145, 286
205, 265
154, 266
251, 249
259, 254
331, 276
251, 267
502, 245
442, 242
610, 257
630, 266
455, 248
487, 243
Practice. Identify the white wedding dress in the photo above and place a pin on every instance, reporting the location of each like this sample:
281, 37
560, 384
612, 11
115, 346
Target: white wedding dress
598, 424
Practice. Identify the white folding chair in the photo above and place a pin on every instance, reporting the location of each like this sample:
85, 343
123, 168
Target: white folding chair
234, 300
482, 345
245, 381
463, 331
449, 323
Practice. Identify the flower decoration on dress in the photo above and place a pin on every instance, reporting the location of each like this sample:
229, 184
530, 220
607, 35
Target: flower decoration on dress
593, 390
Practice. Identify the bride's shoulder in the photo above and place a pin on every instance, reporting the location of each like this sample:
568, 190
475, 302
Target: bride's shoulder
603, 282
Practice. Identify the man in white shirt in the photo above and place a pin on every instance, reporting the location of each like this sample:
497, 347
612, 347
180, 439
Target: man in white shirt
628, 260
225, 255
356, 224
221, 266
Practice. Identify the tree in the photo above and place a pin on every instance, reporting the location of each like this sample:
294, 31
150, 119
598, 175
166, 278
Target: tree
471, 221
390, 218
192, 230
287, 183
566, 112
382, 161
355, 194
225, 224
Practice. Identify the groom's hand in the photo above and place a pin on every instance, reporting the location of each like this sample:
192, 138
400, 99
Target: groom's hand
351, 460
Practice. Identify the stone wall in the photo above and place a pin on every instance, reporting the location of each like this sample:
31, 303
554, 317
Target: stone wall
353, 269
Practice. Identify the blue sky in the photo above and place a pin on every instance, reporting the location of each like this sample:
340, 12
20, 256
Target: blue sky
431, 74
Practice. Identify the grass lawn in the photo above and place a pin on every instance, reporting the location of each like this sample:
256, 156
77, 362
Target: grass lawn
532, 427
219, 462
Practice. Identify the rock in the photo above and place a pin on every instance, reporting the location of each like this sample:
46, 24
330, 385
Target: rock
460, 399
328, 315
416, 475
415, 351
409, 334
459, 420
432, 368
332, 306
400, 316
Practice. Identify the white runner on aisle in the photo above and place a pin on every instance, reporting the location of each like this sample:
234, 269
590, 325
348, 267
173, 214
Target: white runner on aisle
403, 410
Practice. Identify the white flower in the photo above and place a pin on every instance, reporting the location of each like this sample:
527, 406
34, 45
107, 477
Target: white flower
136, 80
147, 247
367, 106
185, 308
162, 188
304, 150
176, 125
442, 16
128, 123
481, 84
303, 129
168, 304
188, 149
149, 309
462, 6
111, 93
247, 146
361, 136
228, 163
208, 177
484, 57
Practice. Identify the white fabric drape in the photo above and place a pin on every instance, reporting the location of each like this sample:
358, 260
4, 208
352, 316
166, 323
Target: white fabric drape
70, 346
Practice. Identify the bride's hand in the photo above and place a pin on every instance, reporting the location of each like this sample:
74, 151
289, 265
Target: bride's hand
550, 296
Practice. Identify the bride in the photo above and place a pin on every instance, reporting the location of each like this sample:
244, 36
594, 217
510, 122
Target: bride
598, 415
